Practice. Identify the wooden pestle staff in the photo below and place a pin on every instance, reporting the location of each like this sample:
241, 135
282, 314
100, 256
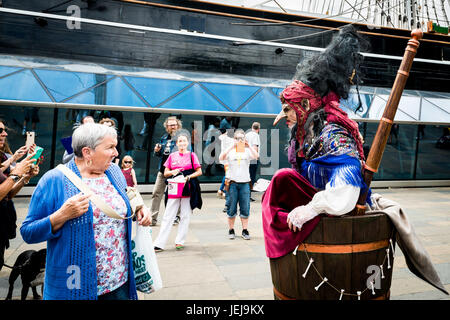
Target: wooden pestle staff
384, 128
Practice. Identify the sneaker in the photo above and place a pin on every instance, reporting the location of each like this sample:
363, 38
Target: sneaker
245, 234
179, 247
158, 249
176, 221
252, 200
225, 210
231, 234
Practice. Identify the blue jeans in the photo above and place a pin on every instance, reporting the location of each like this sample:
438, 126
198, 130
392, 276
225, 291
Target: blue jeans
121, 293
239, 193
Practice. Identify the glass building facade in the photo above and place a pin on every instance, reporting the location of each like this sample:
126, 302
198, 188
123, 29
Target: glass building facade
50, 96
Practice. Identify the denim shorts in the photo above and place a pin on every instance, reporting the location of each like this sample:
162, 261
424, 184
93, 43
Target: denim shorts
239, 193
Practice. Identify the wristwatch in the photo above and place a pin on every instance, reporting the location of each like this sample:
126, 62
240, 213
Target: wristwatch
14, 177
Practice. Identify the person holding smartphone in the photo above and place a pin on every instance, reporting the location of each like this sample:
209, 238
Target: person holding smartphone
238, 156
11, 181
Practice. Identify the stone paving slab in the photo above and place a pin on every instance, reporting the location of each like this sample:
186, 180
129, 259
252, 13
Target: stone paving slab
212, 267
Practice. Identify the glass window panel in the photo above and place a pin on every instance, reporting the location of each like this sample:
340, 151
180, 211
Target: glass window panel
96, 95
398, 158
263, 102
432, 113
410, 106
377, 107
441, 103
232, 95
156, 91
194, 98
68, 117
119, 94
434, 152
4, 70
350, 104
22, 86
63, 84
277, 91
401, 115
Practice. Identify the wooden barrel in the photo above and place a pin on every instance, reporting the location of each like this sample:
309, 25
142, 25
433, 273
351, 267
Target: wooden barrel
348, 251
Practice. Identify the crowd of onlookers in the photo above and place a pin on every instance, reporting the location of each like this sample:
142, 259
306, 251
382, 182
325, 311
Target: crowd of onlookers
99, 241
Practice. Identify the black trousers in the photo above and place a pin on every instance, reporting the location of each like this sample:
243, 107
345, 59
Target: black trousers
253, 169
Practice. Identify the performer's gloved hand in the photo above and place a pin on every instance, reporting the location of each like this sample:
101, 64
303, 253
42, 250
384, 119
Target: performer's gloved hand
299, 216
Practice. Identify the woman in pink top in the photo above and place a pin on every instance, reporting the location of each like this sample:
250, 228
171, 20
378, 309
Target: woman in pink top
178, 162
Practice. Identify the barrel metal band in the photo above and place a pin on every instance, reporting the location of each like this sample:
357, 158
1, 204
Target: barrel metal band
370, 168
281, 296
384, 296
361, 206
405, 73
345, 248
387, 120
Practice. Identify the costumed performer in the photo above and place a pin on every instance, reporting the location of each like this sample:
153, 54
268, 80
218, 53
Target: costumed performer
325, 148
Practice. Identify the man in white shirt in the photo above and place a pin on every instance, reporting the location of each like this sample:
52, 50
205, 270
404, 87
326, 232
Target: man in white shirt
238, 172
253, 139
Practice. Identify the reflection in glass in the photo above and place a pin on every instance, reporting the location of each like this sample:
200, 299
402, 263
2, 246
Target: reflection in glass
404, 158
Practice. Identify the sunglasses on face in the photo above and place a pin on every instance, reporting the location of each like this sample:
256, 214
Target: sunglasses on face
127, 162
2, 130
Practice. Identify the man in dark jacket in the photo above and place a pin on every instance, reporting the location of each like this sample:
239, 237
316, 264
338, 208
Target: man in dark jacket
162, 150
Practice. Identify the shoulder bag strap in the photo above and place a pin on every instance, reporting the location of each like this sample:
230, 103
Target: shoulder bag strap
76, 180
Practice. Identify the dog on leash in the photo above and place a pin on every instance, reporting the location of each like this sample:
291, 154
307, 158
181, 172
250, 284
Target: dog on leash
28, 266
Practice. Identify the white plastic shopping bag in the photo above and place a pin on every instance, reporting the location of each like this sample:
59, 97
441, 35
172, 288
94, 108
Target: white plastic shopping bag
146, 271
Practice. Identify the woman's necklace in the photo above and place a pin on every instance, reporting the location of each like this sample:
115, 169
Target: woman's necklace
238, 154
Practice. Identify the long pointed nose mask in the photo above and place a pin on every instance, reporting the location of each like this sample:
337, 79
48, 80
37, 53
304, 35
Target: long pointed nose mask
280, 116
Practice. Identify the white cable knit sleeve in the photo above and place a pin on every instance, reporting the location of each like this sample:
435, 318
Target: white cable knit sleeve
336, 200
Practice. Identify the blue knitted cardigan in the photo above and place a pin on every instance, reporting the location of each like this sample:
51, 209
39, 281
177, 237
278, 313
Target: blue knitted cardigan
71, 271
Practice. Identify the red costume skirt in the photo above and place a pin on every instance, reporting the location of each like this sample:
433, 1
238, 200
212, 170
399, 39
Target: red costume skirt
287, 190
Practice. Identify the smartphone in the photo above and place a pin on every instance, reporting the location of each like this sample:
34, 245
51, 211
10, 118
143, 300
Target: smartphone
240, 146
38, 154
30, 139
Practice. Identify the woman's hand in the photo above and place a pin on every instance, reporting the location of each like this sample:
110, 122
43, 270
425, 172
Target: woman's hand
34, 171
24, 166
19, 153
76, 206
144, 216
176, 172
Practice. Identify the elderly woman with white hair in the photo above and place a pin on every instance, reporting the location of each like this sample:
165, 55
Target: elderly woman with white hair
88, 253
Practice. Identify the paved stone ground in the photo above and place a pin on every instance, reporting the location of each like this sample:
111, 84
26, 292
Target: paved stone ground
214, 268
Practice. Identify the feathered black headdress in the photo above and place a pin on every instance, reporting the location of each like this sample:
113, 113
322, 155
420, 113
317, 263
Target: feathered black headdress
336, 68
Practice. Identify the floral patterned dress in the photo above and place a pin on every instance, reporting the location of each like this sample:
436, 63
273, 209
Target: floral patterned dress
110, 237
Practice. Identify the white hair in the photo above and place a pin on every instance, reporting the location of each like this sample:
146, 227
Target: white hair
90, 135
